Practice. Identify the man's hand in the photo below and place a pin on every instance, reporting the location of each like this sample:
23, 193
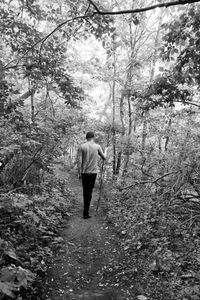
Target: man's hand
101, 153
106, 151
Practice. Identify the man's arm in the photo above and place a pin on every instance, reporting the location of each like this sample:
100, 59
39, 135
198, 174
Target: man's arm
79, 161
100, 152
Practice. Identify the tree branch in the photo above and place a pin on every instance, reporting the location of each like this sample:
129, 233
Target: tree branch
95, 6
148, 181
25, 95
189, 103
59, 27
100, 12
137, 10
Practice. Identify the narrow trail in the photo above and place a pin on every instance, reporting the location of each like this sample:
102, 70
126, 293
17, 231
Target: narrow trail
89, 265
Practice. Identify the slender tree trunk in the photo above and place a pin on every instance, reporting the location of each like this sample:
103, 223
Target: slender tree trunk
128, 90
31, 92
113, 128
32, 108
2, 100
114, 109
135, 119
129, 115
167, 137
119, 157
129, 137
160, 143
152, 71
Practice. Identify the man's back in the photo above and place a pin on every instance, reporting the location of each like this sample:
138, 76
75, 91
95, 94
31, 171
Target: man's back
90, 151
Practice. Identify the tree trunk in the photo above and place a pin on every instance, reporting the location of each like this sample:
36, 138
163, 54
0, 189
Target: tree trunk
113, 129
114, 110
129, 136
152, 71
32, 108
128, 87
167, 137
119, 158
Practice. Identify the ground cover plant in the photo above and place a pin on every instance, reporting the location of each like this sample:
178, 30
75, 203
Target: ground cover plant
29, 237
157, 215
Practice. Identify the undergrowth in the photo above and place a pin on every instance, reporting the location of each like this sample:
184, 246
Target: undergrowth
29, 227
161, 234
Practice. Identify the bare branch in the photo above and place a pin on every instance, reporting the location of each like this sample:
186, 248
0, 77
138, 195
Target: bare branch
137, 10
148, 181
87, 9
95, 6
25, 95
189, 103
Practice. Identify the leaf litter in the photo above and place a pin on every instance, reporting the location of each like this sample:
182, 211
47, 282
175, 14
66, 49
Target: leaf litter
92, 261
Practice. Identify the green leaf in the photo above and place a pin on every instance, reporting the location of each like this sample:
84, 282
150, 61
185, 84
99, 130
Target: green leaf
7, 288
141, 297
11, 254
23, 276
8, 274
194, 297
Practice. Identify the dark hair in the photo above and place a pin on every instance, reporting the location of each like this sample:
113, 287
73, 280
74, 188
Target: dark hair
89, 135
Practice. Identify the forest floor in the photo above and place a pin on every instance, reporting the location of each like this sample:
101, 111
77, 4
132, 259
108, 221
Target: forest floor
92, 262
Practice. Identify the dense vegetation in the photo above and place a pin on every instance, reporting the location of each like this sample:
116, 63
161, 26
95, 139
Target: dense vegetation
134, 79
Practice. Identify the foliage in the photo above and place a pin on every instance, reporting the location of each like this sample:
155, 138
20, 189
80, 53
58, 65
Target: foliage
164, 91
156, 209
181, 43
29, 235
49, 88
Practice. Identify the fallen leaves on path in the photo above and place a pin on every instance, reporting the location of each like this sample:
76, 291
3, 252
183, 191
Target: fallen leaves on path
91, 259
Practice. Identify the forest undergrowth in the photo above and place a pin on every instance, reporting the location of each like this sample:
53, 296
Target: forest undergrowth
157, 239
162, 236
30, 236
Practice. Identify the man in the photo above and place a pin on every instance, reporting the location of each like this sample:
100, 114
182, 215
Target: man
88, 168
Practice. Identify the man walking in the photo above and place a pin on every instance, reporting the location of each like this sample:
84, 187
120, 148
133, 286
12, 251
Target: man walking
88, 168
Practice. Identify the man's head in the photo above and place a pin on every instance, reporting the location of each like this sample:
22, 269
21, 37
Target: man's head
89, 135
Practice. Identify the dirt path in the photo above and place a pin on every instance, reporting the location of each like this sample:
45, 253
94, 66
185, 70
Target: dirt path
90, 264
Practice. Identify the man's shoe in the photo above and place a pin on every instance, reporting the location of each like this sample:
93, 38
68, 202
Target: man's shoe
86, 217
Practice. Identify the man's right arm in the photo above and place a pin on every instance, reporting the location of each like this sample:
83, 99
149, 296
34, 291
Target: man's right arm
100, 152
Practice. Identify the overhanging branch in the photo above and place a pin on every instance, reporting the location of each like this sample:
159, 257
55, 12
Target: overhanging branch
97, 11
137, 10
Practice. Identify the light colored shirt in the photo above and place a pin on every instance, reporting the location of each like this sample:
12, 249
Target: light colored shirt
89, 152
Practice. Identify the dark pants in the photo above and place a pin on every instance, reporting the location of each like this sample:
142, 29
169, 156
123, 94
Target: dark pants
88, 181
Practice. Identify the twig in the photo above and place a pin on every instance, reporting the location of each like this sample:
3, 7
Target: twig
188, 102
95, 6
148, 181
34, 159
87, 9
6, 193
190, 219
